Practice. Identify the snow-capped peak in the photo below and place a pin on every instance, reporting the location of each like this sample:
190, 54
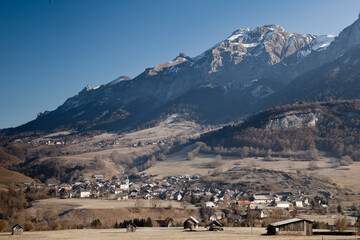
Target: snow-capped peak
274, 27
244, 32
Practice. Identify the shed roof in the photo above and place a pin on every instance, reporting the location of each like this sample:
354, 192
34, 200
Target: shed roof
263, 197
131, 224
17, 226
191, 218
216, 223
288, 221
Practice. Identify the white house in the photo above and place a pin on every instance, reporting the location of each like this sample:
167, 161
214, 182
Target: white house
282, 204
299, 203
118, 190
210, 204
262, 198
84, 193
177, 196
125, 186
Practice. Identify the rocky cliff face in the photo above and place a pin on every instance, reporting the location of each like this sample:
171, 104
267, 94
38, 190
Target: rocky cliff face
293, 120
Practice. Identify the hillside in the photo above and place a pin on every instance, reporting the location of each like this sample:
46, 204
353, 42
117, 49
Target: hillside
282, 144
11, 154
67, 156
8, 177
332, 127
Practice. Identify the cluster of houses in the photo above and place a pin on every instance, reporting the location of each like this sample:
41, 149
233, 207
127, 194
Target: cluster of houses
191, 189
185, 189
266, 202
96, 187
160, 143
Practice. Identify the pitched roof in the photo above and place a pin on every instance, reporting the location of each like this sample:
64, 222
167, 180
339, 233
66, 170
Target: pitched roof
216, 223
131, 224
288, 221
191, 218
17, 225
263, 197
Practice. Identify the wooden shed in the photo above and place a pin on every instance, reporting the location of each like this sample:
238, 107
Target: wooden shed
215, 226
168, 222
17, 230
191, 223
131, 227
294, 226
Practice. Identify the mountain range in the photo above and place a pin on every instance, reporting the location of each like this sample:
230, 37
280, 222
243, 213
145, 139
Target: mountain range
251, 70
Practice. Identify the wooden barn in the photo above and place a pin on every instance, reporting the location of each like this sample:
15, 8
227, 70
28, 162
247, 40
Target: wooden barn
294, 226
215, 226
17, 230
191, 223
168, 222
131, 227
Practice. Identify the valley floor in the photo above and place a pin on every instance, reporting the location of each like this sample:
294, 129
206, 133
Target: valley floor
162, 233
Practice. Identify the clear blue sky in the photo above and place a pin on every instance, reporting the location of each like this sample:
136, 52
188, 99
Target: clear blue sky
50, 50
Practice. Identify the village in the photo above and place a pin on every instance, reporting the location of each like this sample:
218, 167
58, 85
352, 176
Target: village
230, 207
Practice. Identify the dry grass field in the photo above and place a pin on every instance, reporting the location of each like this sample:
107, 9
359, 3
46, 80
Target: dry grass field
170, 128
83, 211
78, 203
8, 177
329, 218
163, 233
176, 164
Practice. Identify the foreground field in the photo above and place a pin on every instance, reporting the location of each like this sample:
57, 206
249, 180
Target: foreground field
162, 233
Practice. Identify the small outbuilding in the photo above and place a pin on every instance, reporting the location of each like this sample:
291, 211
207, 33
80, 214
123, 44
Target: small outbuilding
131, 227
294, 226
191, 223
215, 226
168, 222
17, 230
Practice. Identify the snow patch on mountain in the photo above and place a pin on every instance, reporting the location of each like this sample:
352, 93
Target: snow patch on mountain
322, 42
250, 45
